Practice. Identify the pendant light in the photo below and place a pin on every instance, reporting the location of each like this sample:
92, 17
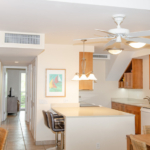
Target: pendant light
92, 77
83, 75
83, 63
76, 77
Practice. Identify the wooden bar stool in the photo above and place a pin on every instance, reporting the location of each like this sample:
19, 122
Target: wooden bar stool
137, 145
146, 129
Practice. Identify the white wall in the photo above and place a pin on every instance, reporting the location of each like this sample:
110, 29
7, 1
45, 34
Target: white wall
14, 81
117, 64
56, 57
1, 72
103, 90
140, 94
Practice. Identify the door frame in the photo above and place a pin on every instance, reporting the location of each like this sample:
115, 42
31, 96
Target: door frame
4, 108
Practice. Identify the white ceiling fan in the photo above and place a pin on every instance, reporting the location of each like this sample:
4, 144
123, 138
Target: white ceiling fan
116, 35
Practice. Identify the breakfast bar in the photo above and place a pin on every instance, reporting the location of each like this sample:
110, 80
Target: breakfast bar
92, 128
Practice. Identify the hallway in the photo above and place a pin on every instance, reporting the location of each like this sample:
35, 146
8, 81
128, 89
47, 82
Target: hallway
19, 136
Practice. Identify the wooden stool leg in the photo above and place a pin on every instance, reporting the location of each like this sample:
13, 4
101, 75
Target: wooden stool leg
62, 140
128, 143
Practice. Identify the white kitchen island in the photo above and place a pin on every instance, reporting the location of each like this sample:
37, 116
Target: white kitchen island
92, 128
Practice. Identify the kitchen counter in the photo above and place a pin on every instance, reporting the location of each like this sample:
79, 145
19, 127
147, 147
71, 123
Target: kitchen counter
135, 102
89, 127
88, 112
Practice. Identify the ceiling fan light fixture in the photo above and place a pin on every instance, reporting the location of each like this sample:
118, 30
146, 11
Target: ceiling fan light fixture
136, 44
114, 51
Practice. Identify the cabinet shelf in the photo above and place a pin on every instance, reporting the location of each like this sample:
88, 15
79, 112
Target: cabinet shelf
132, 77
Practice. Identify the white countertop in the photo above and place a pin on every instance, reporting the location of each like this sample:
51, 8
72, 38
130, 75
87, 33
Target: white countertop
88, 112
134, 102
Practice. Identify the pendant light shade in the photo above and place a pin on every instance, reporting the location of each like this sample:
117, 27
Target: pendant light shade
114, 51
83, 77
76, 77
92, 77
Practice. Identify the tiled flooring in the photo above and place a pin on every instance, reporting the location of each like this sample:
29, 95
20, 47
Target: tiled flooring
19, 136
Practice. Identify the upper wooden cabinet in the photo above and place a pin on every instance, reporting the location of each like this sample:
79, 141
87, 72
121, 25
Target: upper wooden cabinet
86, 85
132, 78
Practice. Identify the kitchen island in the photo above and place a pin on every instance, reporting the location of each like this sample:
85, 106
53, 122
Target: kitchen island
92, 128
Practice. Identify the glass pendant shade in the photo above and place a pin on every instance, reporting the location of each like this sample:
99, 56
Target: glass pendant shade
83, 77
92, 77
76, 77
137, 44
114, 51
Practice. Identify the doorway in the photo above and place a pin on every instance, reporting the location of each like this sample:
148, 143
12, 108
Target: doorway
23, 91
14, 90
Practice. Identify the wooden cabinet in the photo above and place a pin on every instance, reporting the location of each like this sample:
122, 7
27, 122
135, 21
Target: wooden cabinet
128, 80
132, 78
130, 109
88, 84
136, 111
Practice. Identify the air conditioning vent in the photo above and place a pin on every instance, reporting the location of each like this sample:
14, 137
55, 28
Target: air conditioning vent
22, 38
101, 56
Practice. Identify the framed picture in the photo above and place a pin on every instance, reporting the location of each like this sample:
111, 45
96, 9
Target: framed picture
55, 82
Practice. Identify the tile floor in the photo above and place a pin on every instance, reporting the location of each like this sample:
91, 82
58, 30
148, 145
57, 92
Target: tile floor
19, 135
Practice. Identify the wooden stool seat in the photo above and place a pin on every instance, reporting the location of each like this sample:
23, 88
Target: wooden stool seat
137, 145
3, 136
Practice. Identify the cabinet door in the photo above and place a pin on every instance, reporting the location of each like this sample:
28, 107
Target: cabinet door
113, 105
128, 80
136, 111
116, 106
137, 69
123, 107
88, 84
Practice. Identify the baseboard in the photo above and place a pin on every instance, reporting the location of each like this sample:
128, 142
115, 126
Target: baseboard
47, 142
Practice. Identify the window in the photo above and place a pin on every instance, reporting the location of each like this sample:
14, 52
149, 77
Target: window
23, 90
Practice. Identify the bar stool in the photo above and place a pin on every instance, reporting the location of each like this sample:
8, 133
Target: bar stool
137, 145
56, 124
146, 129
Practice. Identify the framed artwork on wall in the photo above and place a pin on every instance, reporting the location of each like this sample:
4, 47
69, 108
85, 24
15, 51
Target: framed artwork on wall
55, 82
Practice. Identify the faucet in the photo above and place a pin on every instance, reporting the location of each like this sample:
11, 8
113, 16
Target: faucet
148, 98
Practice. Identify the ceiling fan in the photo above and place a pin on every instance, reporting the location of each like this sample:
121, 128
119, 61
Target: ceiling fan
116, 35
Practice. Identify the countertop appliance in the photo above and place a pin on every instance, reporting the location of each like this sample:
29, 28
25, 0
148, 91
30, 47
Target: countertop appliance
145, 117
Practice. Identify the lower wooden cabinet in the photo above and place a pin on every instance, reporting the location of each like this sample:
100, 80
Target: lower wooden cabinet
130, 109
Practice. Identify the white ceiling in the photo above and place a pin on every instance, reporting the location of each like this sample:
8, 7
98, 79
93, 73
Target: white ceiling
64, 22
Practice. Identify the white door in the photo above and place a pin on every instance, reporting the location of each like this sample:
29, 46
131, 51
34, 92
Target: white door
33, 103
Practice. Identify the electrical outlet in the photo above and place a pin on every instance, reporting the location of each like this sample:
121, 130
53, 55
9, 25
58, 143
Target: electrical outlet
97, 146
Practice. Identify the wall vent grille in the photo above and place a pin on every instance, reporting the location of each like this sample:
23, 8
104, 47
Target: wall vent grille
22, 38
101, 56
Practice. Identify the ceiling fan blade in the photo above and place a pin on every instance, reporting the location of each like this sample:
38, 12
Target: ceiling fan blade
141, 40
96, 38
110, 43
105, 31
140, 33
